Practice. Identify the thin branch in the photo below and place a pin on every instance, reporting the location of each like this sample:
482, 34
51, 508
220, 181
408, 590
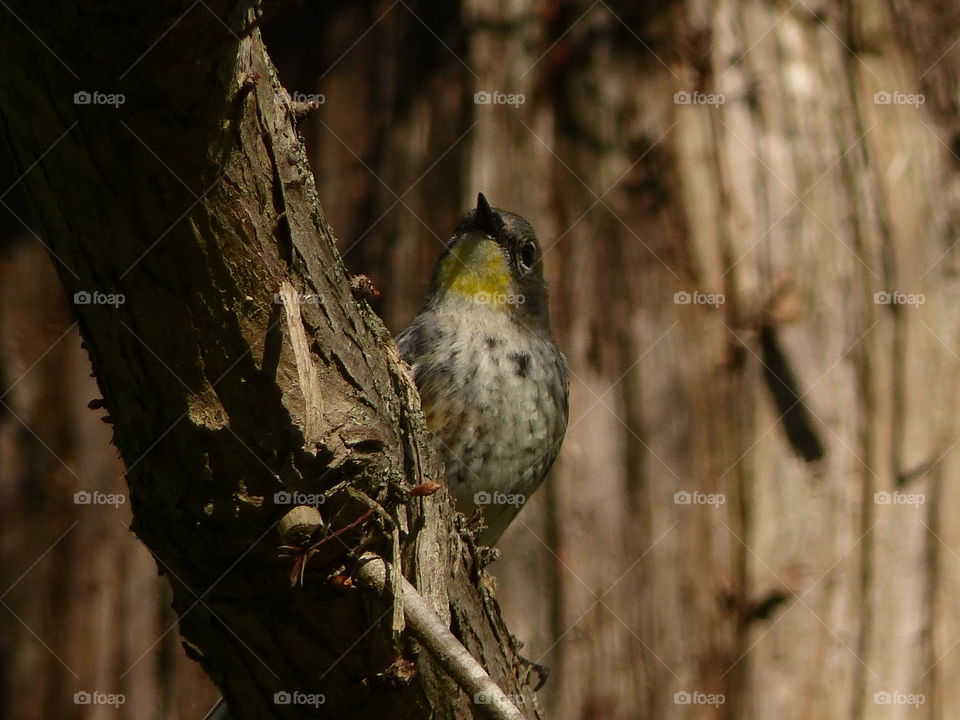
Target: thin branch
449, 653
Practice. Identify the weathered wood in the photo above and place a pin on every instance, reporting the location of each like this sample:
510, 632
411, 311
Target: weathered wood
237, 366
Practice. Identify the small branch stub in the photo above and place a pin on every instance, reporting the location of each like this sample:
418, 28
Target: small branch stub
298, 526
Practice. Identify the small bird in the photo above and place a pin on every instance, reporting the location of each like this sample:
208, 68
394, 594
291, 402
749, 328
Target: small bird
493, 384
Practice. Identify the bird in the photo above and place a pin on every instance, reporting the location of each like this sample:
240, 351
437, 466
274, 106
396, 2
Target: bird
494, 386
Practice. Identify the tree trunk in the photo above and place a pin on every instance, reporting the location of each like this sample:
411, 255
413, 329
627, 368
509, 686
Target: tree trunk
236, 364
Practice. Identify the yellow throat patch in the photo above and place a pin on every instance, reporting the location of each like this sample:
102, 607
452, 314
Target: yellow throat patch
476, 268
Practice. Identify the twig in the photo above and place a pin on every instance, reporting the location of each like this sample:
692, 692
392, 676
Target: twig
449, 652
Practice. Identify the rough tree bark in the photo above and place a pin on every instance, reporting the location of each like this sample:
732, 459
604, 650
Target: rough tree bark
194, 201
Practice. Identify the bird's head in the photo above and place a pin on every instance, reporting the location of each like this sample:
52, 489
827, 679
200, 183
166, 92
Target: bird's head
493, 260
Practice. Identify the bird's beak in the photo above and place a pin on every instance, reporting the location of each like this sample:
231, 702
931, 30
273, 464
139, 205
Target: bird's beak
486, 221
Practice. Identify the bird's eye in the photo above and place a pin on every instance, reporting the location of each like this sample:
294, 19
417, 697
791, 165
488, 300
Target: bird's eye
527, 255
